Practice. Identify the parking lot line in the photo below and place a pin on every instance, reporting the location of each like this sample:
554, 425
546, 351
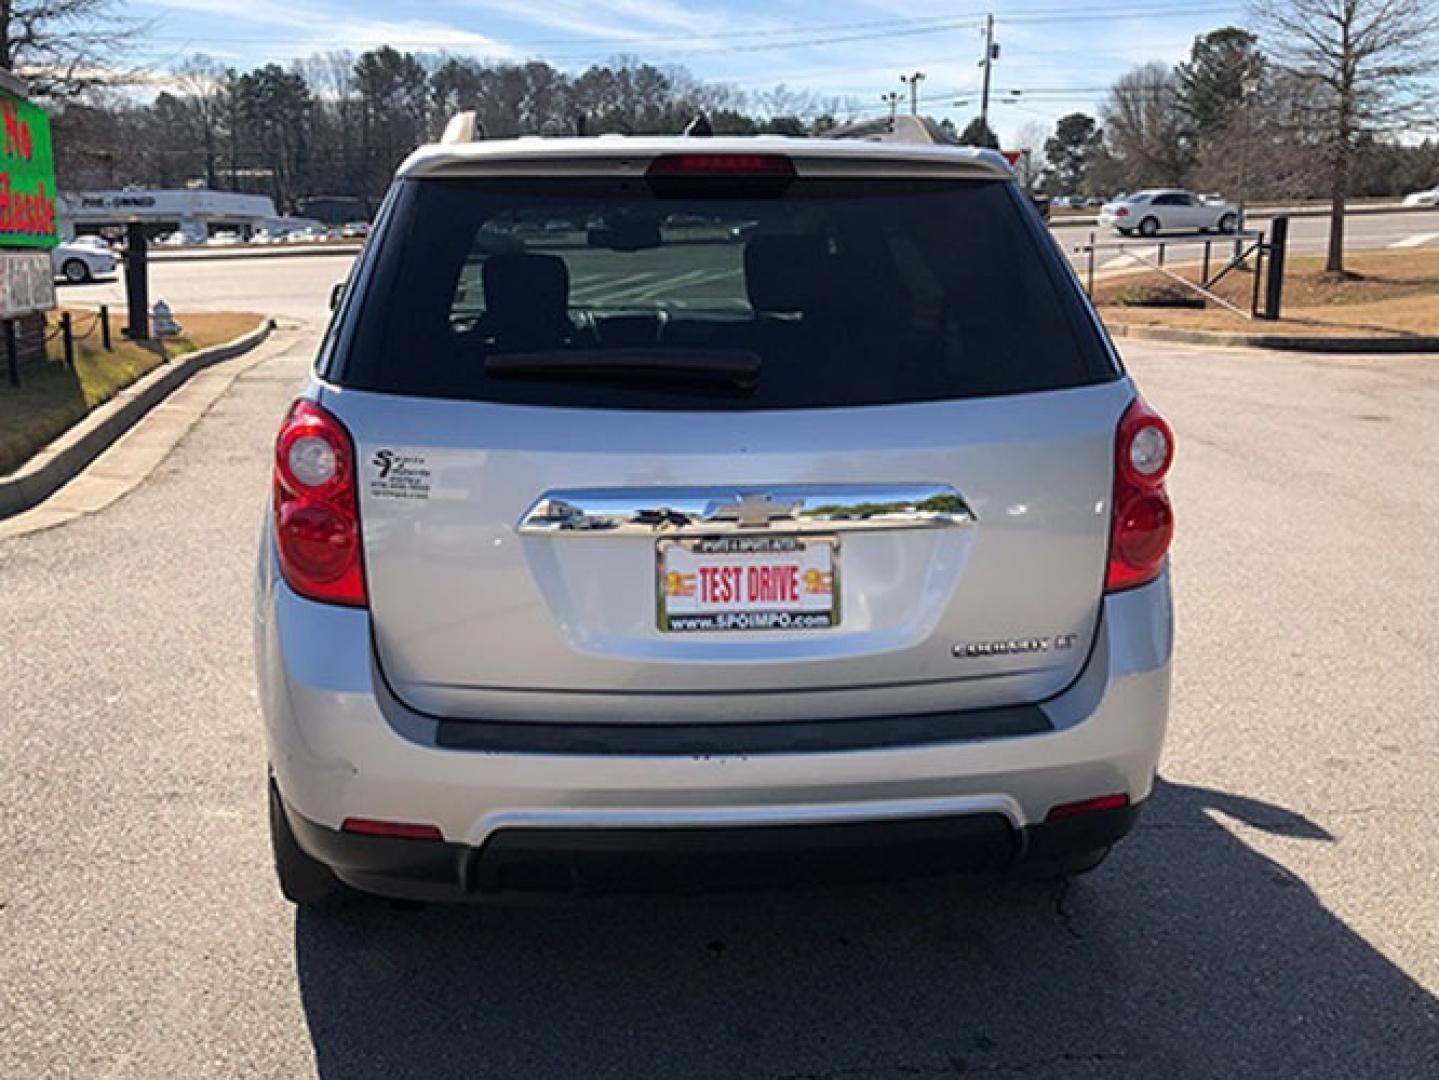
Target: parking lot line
1415, 240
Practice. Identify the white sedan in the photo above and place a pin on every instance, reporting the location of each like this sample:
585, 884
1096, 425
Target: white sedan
1168, 210
1423, 198
79, 262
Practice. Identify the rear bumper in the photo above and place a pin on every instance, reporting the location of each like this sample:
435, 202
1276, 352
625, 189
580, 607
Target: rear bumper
518, 862
340, 746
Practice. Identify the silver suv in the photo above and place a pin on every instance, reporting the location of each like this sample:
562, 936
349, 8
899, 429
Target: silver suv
680, 512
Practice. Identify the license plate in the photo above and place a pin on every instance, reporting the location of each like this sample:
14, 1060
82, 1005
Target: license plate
731, 583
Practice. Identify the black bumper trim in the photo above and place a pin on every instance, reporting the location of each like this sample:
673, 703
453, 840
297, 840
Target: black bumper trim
763, 737
520, 861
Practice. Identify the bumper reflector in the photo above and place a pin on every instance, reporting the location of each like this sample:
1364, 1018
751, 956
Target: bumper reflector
401, 830
1088, 806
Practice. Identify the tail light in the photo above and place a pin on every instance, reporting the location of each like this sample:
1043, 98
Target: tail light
759, 176
740, 165
316, 508
1143, 522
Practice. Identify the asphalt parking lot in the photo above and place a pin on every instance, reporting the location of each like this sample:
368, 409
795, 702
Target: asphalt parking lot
1275, 915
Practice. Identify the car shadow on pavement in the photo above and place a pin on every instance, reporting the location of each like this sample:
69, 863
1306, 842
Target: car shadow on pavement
1188, 954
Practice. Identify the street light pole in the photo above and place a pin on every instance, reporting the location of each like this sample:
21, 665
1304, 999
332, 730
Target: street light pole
988, 64
892, 100
913, 81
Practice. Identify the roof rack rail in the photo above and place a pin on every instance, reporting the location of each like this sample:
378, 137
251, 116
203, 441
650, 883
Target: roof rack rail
462, 128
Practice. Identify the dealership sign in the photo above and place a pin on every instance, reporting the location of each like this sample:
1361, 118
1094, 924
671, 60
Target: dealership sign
27, 207
27, 175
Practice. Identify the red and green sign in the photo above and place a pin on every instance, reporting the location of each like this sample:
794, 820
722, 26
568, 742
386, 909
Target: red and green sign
27, 175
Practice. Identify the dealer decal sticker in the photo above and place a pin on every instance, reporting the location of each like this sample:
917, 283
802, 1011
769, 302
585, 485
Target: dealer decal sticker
398, 475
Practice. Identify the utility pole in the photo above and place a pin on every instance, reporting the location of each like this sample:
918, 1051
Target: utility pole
892, 100
991, 54
1248, 86
913, 82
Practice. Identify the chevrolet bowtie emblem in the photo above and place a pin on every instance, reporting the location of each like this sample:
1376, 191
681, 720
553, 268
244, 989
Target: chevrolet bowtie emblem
755, 510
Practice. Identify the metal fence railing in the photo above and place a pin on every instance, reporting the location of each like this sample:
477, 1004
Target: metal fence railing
65, 330
1215, 256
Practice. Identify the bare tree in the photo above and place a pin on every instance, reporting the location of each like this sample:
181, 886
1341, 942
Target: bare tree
65, 48
1029, 140
1366, 61
202, 82
1144, 127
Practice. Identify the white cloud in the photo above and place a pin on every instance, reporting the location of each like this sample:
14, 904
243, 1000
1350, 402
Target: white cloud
672, 29
320, 27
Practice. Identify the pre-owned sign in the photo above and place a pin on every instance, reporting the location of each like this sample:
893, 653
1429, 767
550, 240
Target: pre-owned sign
27, 175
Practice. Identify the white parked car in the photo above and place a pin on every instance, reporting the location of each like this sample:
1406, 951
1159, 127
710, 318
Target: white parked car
225, 239
1423, 198
78, 262
1168, 210
92, 241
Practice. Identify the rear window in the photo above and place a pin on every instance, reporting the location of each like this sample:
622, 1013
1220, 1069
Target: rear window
601, 293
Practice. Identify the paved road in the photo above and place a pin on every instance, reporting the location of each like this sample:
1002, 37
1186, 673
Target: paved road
1307, 236
296, 287
1274, 916
1311, 234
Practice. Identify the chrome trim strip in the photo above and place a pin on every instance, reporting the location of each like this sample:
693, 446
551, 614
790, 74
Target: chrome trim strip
739, 816
710, 511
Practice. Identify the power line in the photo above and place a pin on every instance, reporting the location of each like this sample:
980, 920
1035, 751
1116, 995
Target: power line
769, 38
620, 40
760, 41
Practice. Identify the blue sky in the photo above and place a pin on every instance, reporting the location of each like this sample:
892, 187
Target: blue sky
1058, 55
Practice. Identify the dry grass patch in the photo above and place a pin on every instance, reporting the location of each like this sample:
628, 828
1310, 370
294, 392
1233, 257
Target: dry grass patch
1385, 294
52, 397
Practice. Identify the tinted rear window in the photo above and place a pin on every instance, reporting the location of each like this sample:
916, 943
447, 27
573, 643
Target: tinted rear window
837, 292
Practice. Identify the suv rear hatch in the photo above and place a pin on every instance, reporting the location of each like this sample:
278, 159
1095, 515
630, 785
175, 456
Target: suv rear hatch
810, 442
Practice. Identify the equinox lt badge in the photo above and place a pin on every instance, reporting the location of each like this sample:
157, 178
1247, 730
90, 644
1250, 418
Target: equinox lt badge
972, 650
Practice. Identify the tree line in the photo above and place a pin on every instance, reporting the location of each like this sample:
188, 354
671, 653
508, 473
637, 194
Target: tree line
1329, 98
1317, 98
339, 124
1226, 119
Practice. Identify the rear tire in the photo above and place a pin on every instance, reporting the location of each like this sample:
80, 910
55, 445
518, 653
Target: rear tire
1229, 223
75, 271
304, 881
1149, 227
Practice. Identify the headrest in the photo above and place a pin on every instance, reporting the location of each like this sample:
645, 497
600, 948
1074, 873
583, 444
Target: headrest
523, 285
787, 273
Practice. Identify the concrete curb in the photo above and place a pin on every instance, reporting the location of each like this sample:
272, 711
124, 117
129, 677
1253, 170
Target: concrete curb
1278, 342
258, 252
66, 457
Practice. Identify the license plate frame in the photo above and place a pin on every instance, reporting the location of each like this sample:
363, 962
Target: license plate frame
819, 610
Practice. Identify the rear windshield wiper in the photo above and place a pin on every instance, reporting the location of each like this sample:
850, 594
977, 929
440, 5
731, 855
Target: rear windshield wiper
733, 367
